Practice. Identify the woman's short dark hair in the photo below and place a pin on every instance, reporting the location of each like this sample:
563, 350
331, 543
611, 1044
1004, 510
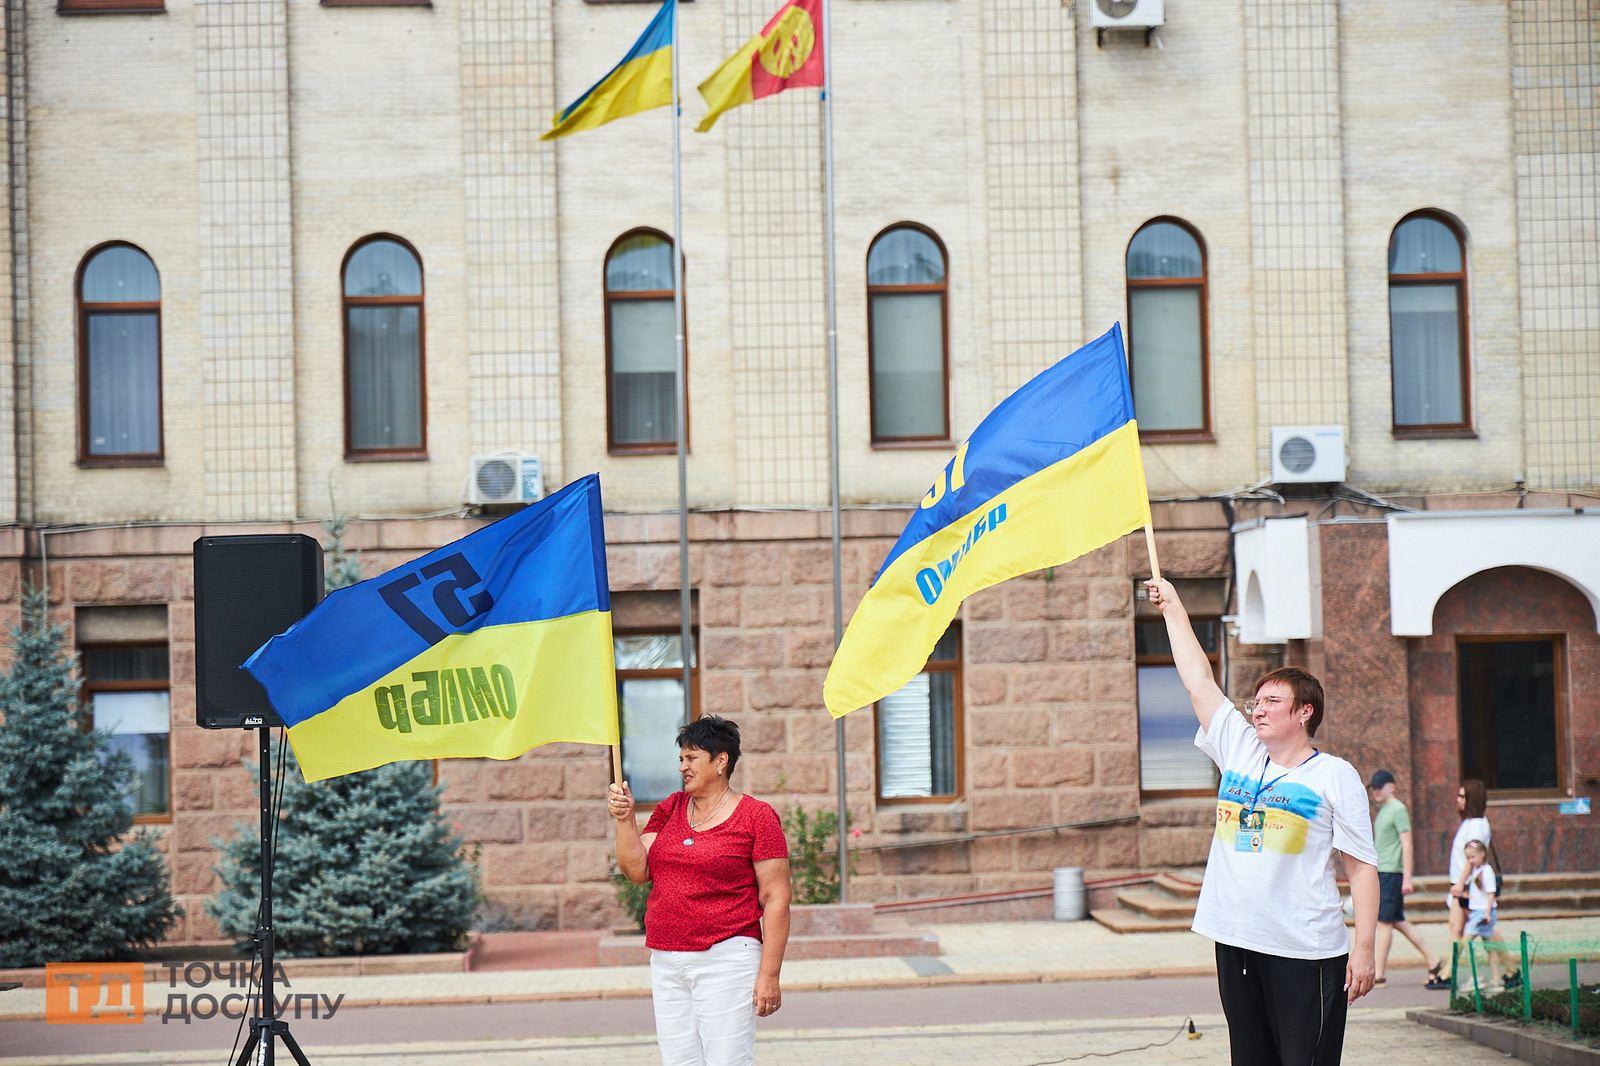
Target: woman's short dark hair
713, 735
1477, 798
1307, 690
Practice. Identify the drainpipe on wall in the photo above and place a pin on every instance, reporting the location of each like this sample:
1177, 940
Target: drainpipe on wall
1229, 586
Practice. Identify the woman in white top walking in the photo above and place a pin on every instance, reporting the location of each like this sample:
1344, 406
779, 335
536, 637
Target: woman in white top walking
1472, 800
1286, 968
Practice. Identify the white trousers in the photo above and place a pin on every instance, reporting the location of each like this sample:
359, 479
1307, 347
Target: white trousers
705, 1013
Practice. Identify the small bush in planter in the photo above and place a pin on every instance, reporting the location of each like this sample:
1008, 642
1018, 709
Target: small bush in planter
631, 896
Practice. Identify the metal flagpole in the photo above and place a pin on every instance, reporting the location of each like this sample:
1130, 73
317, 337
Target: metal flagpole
833, 424
686, 645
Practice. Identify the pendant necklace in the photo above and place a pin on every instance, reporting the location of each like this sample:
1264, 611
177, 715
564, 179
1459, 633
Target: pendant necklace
688, 841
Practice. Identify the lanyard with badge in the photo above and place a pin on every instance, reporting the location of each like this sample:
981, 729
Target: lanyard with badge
1252, 819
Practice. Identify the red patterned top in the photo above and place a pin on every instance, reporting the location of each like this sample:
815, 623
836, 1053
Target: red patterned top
704, 893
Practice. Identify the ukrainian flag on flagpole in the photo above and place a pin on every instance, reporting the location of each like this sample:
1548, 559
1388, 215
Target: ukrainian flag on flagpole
486, 647
1051, 474
642, 81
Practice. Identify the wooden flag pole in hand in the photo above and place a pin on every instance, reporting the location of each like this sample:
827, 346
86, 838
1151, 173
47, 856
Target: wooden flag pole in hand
1150, 547
616, 763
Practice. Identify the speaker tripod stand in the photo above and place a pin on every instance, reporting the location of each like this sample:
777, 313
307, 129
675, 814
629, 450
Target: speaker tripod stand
265, 1028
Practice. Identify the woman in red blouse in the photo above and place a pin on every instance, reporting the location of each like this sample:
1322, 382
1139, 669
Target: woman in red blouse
717, 919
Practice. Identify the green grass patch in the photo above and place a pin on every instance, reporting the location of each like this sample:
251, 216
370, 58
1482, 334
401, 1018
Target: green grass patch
1552, 1005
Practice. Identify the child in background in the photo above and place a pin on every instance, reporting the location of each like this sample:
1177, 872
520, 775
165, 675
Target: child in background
1481, 883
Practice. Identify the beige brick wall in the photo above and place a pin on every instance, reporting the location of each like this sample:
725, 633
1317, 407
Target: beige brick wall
1441, 142
376, 151
1292, 82
513, 303
112, 156
1163, 133
1555, 71
246, 259
1279, 130
13, 248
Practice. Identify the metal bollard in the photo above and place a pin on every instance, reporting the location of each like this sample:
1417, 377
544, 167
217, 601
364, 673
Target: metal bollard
1071, 899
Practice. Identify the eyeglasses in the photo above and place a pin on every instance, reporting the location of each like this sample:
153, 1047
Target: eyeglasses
1266, 703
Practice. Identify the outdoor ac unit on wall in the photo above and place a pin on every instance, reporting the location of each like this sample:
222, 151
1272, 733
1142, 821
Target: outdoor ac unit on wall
1126, 14
510, 477
1307, 454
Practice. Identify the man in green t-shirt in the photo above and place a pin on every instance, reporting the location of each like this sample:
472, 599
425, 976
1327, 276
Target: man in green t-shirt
1391, 834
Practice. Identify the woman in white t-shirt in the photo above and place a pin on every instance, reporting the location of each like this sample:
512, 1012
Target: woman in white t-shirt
1286, 969
1472, 800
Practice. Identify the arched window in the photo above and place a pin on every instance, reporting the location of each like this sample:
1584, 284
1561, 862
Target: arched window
119, 357
1428, 326
908, 348
385, 394
1167, 345
641, 352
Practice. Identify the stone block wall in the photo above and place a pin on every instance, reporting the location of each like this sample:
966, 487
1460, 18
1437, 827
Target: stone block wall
1505, 603
1048, 695
1392, 702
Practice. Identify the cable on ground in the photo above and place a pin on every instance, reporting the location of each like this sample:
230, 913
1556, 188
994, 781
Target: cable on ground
1186, 1027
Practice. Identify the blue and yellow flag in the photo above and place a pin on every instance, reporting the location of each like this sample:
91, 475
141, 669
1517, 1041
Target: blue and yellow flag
1052, 473
642, 81
489, 646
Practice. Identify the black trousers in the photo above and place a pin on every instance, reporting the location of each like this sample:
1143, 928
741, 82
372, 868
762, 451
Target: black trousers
1282, 1012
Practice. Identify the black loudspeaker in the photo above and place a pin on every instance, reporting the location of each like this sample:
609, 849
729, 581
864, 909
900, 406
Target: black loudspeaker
247, 590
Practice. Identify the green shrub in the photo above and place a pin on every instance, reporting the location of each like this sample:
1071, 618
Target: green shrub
1552, 1005
365, 865
631, 896
813, 858
75, 886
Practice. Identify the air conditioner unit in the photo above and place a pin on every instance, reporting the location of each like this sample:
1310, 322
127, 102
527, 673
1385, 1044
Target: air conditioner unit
509, 477
1307, 454
1126, 14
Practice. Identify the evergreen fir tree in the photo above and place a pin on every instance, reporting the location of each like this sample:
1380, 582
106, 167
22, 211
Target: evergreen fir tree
72, 887
365, 865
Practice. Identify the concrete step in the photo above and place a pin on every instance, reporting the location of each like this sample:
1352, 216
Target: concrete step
1182, 887
631, 950
1156, 904
1559, 881
1505, 915
1516, 900
1121, 921
831, 919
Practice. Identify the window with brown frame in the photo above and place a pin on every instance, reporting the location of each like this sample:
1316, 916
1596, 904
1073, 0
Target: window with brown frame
385, 378
641, 350
919, 731
1168, 350
119, 358
1169, 763
110, 7
650, 679
126, 693
1428, 328
908, 337
1510, 694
